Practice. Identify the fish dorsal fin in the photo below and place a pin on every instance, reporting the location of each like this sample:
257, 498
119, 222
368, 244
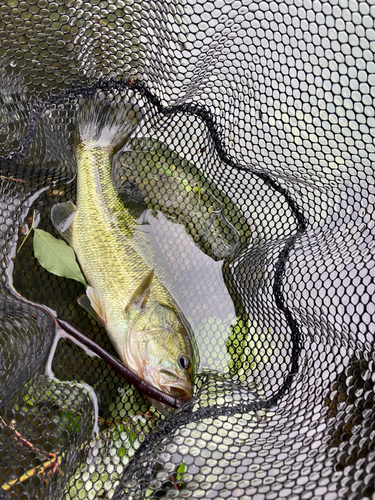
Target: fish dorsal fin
93, 304
141, 294
62, 216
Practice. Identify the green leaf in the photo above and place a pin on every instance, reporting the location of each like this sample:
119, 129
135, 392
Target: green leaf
132, 436
56, 256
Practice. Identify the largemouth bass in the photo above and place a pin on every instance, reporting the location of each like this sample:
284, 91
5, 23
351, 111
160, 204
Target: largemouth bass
143, 322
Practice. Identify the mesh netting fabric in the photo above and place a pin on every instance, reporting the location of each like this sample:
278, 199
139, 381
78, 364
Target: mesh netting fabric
252, 178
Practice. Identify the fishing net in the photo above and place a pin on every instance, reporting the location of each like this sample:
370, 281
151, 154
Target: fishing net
251, 174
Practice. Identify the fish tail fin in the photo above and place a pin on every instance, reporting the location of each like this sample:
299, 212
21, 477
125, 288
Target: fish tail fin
102, 124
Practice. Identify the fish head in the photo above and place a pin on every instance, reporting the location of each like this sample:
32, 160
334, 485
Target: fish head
159, 350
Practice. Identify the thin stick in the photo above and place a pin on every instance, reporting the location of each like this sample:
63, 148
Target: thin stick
52, 464
2, 177
18, 436
28, 234
129, 375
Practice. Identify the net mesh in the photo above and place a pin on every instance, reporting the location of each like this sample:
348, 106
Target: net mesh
252, 172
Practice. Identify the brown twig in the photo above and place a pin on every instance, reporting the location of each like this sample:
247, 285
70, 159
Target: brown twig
18, 436
2, 177
129, 375
52, 464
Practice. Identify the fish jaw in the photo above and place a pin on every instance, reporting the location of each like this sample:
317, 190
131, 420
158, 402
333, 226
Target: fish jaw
170, 382
178, 389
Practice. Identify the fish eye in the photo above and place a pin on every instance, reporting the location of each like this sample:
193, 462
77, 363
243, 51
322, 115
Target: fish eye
184, 362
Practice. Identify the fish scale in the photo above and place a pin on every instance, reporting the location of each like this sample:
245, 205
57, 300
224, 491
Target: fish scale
97, 179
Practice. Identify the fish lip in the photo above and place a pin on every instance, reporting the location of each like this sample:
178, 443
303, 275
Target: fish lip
181, 390
177, 387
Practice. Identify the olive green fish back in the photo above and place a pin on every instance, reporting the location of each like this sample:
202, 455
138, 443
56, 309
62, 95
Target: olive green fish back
252, 184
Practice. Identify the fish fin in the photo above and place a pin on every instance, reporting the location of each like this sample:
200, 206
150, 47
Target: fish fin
84, 302
96, 305
141, 294
62, 216
101, 125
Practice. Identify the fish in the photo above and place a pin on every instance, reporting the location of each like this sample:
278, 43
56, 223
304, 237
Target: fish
144, 323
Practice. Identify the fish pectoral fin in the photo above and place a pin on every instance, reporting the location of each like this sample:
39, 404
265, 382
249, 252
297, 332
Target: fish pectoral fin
93, 304
62, 216
141, 294
84, 302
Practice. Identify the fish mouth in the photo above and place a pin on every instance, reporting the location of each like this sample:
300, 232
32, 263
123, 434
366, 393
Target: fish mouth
180, 392
174, 386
